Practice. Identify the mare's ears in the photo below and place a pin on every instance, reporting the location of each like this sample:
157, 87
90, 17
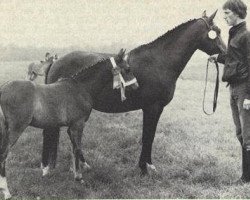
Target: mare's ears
204, 14
121, 53
210, 19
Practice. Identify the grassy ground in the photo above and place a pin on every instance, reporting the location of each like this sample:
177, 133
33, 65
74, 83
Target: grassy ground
197, 156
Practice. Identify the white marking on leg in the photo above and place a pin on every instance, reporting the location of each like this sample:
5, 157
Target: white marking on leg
4, 187
78, 175
86, 166
45, 170
151, 167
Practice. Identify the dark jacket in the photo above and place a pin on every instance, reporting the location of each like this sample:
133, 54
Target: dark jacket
237, 58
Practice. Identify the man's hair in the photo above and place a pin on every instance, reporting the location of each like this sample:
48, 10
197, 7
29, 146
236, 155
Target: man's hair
236, 6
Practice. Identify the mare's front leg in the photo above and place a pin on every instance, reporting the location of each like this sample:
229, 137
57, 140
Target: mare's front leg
49, 151
75, 133
151, 115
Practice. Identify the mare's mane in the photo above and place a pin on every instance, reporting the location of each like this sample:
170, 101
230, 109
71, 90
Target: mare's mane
169, 35
86, 72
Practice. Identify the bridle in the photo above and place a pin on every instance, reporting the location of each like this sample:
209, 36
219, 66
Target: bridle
118, 80
215, 29
216, 89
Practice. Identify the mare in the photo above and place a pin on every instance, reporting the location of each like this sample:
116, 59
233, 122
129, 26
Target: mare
156, 66
67, 102
39, 69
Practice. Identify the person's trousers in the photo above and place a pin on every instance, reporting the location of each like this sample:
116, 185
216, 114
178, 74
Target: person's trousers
241, 117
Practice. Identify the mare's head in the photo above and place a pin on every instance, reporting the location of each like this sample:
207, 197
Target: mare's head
210, 38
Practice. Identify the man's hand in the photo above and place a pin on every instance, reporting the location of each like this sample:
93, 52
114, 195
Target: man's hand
246, 104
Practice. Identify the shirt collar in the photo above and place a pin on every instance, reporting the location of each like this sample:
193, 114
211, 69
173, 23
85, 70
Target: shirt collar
236, 28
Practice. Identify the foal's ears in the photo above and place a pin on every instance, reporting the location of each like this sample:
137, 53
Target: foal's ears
121, 54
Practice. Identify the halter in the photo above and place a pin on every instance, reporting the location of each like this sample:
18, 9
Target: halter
211, 29
208, 26
118, 81
216, 89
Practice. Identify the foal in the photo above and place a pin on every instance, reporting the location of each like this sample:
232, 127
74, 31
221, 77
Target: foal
67, 102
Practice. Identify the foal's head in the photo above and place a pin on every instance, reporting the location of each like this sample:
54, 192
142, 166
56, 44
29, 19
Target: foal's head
105, 68
124, 68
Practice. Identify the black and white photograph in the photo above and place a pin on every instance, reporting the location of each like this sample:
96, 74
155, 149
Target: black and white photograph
124, 99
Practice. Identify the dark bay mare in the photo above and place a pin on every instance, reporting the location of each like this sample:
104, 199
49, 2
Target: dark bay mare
67, 102
156, 66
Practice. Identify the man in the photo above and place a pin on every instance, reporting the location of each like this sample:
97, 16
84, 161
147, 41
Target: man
237, 74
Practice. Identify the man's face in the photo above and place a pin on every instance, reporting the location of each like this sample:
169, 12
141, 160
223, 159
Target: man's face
230, 17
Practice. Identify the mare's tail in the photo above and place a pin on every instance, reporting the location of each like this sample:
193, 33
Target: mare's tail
47, 72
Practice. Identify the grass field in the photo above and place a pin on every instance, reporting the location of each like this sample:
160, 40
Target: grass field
197, 156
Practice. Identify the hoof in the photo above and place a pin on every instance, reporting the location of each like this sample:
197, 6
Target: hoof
80, 180
4, 188
8, 196
78, 176
86, 166
6, 193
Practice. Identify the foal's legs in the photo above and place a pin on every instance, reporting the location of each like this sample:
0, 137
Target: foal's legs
4, 144
8, 140
151, 116
75, 133
3, 182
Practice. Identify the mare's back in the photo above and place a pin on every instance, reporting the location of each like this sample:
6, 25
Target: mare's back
71, 63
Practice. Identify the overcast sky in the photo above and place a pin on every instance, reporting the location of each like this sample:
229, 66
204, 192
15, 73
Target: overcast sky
63, 23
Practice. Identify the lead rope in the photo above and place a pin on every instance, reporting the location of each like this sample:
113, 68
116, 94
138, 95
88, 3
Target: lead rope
216, 89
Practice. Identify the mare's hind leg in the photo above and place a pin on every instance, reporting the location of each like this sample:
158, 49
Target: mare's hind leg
75, 133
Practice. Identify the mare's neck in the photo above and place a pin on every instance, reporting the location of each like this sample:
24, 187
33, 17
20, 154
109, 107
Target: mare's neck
94, 79
172, 51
